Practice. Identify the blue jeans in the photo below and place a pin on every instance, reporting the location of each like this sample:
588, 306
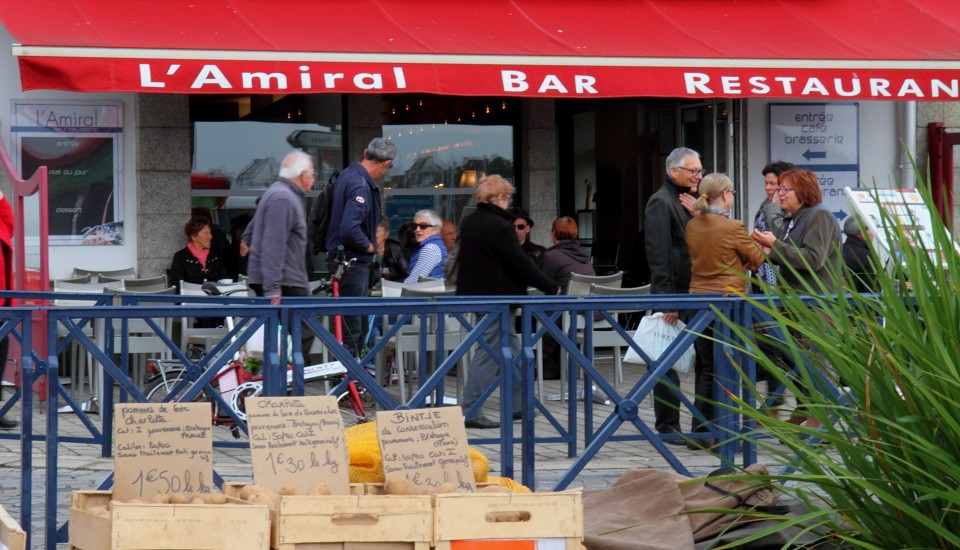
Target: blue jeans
484, 369
355, 282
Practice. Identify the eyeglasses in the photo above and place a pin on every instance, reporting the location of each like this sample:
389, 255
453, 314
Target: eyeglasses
423, 226
507, 196
784, 190
521, 226
691, 170
731, 191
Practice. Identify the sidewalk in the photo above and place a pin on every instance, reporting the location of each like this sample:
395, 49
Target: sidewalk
82, 468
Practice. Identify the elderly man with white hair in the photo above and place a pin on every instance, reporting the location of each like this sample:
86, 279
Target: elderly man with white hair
277, 235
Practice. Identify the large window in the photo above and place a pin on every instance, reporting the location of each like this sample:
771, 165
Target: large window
438, 165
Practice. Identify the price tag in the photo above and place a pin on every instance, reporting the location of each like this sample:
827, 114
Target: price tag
298, 442
426, 446
162, 448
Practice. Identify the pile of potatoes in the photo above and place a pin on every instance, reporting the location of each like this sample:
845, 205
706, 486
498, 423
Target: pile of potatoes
103, 510
258, 494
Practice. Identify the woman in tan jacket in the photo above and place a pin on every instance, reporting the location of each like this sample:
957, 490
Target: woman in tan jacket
721, 253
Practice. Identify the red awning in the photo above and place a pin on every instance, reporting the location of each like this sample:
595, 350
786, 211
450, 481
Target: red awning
813, 49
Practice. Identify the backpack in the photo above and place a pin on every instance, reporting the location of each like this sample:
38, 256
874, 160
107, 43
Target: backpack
320, 215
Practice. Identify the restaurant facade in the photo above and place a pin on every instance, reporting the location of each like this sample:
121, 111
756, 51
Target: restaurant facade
140, 115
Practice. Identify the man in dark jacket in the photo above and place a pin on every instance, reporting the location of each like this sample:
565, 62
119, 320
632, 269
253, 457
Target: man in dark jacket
523, 224
354, 217
861, 267
493, 264
664, 234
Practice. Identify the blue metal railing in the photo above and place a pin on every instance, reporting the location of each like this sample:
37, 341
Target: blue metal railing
311, 314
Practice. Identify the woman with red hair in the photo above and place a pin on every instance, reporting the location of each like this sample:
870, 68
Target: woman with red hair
566, 256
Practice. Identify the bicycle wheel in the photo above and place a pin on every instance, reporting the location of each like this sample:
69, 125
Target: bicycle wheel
350, 414
163, 385
252, 388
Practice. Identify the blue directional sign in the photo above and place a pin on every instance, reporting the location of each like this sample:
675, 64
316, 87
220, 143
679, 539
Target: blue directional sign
823, 137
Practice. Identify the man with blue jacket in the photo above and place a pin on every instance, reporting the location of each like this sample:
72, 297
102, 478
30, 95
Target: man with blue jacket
354, 217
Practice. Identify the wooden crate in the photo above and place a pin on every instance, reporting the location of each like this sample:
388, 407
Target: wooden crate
236, 526
350, 522
468, 517
12, 537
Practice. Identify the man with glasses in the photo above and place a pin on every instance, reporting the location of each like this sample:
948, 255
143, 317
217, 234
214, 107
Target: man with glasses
664, 234
522, 225
354, 218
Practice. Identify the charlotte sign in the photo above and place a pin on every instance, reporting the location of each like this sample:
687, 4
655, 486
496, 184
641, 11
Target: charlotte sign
823, 137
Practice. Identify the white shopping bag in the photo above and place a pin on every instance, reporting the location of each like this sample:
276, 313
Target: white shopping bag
654, 336
254, 345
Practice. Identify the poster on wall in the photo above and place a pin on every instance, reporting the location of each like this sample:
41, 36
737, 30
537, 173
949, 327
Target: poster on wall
80, 144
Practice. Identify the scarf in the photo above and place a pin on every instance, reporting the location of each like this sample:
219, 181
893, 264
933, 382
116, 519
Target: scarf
200, 255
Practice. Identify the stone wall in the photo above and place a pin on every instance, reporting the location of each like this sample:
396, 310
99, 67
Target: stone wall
163, 179
538, 170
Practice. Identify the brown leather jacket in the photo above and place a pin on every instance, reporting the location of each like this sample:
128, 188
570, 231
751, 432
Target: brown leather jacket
720, 252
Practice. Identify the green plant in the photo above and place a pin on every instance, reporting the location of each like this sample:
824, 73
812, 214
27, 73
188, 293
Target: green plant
889, 473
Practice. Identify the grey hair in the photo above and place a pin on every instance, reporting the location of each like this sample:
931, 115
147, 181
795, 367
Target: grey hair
675, 158
295, 163
431, 217
381, 150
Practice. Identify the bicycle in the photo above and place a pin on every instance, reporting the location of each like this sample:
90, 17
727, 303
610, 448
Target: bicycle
234, 383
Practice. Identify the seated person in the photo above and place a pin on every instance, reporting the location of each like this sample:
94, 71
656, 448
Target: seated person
394, 264
198, 262
431, 254
565, 257
861, 271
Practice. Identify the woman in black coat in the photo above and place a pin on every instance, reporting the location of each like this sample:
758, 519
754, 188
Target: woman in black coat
200, 260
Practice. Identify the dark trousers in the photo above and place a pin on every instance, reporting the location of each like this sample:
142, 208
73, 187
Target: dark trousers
354, 282
666, 405
4, 350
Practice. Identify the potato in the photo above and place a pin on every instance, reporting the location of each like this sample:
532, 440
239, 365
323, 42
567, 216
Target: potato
178, 498
287, 490
263, 498
160, 498
135, 501
215, 498
248, 491
320, 489
400, 486
443, 489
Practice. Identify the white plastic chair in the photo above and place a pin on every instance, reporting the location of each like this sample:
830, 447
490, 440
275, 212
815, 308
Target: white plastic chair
407, 338
607, 337
579, 285
81, 370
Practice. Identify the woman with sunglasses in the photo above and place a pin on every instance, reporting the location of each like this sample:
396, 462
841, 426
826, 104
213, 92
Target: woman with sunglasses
431, 253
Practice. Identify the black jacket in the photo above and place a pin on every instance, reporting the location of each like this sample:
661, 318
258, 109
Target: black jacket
564, 258
491, 260
665, 236
861, 273
186, 267
534, 251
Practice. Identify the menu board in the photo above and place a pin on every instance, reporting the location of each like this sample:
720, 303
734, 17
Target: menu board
162, 448
426, 446
298, 442
904, 212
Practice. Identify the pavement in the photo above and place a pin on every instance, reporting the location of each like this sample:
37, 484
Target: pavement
82, 468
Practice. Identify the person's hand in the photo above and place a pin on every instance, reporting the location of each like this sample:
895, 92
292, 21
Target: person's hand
274, 299
763, 238
671, 317
244, 249
687, 200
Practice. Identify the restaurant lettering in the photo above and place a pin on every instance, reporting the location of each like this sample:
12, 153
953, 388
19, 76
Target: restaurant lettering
516, 81
792, 86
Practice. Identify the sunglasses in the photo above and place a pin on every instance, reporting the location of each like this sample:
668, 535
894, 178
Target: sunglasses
423, 226
521, 226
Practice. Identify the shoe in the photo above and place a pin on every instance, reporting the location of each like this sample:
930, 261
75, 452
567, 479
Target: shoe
519, 416
708, 444
481, 423
7, 424
674, 431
